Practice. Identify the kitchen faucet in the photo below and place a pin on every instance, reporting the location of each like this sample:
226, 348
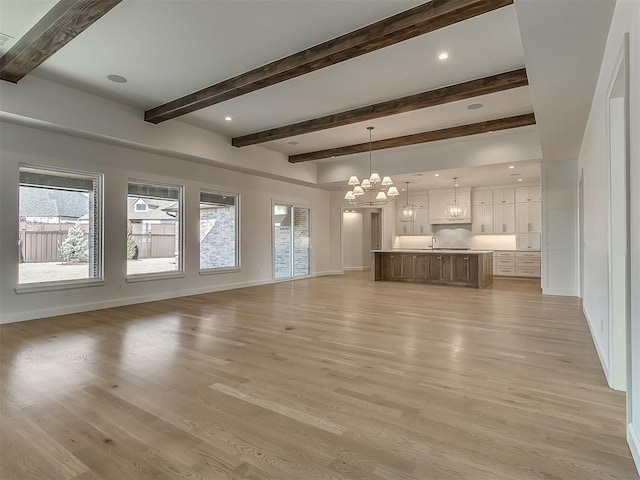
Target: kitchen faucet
434, 239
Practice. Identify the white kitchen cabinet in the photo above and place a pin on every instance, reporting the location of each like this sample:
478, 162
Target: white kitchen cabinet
422, 226
420, 201
527, 264
528, 217
504, 195
482, 219
504, 263
504, 218
528, 241
403, 228
482, 197
528, 194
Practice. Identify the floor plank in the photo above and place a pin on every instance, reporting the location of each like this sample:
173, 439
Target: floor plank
326, 378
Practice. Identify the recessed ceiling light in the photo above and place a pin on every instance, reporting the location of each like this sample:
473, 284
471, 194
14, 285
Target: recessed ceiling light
519, 179
293, 142
456, 184
512, 166
403, 189
475, 106
443, 56
227, 119
116, 78
436, 174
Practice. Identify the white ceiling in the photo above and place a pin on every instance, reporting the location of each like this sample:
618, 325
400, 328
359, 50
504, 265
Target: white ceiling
168, 49
485, 176
564, 43
496, 105
18, 16
402, 69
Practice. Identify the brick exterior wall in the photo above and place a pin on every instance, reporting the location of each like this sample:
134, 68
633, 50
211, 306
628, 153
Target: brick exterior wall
301, 241
218, 237
282, 236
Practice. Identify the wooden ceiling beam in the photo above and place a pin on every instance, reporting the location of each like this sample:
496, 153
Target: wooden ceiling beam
66, 20
389, 31
451, 93
424, 137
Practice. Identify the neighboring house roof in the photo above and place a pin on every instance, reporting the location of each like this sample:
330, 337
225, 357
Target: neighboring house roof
154, 212
42, 202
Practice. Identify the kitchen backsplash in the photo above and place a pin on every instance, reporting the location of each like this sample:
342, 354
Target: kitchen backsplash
458, 236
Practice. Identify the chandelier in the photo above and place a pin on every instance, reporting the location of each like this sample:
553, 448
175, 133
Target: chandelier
455, 209
373, 191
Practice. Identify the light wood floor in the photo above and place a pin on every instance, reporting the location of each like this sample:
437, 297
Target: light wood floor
328, 378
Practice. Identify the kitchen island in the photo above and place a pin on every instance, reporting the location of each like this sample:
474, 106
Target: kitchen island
468, 268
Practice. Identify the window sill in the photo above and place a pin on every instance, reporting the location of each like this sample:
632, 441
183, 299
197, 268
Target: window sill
216, 271
51, 286
148, 277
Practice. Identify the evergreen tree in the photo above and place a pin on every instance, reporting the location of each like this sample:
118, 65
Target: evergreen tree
75, 247
131, 246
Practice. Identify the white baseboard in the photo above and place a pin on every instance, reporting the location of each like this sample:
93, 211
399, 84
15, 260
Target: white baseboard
633, 439
561, 292
328, 272
603, 358
120, 302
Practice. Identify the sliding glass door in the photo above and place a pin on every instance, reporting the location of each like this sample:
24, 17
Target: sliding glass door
291, 241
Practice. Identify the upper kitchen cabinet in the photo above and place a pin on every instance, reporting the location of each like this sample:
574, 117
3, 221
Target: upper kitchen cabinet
482, 197
482, 219
403, 228
528, 217
504, 218
504, 195
528, 194
440, 201
420, 225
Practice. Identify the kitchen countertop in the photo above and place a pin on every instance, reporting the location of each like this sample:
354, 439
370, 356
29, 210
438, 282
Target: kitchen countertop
428, 250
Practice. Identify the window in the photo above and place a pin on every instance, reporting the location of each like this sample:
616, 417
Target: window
60, 226
153, 228
218, 231
141, 206
291, 241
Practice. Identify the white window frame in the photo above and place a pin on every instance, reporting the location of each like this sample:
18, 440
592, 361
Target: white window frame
179, 272
98, 253
238, 266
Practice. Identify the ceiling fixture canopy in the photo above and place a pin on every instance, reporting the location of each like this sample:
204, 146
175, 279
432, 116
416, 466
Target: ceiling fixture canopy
373, 191
455, 210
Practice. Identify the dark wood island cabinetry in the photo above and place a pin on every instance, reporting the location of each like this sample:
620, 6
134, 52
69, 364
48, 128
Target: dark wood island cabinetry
463, 268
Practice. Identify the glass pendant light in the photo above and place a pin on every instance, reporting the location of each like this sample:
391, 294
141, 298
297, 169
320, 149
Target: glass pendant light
455, 210
407, 211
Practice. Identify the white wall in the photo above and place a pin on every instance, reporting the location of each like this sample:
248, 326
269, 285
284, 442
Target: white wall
352, 237
592, 160
52, 106
22, 144
559, 241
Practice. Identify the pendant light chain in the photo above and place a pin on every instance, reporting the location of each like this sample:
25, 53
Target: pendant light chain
382, 187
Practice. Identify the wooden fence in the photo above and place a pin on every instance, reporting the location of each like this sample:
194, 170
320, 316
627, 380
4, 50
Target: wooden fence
40, 247
155, 245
